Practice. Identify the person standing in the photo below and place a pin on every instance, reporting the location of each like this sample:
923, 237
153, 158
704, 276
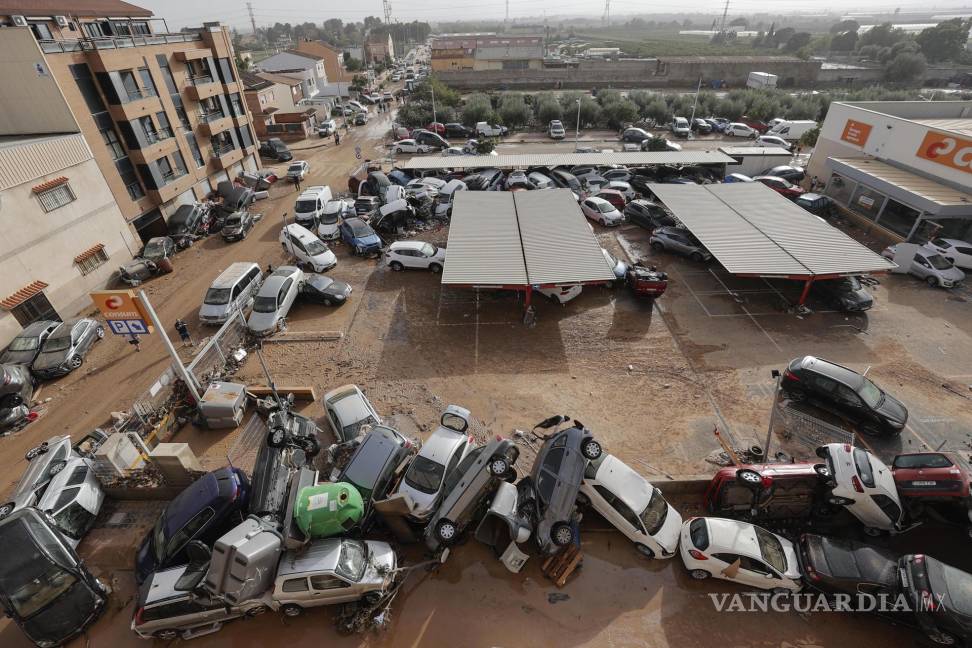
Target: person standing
337, 138
183, 331
297, 183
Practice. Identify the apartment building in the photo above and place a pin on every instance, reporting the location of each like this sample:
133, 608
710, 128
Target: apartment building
162, 113
333, 59
275, 100
380, 48
300, 66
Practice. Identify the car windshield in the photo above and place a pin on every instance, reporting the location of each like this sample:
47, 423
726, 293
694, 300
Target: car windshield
315, 247
871, 393
922, 461
34, 584
939, 262
295, 168
942, 243
158, 538
429, 250
305, 206
605, 207
24, 344
217, 296
353, 560
60, 343
655, 513
863, 464
74, 519
853, 283
425, 475
771, 549
360, 230
233, 221
265, 304
153, 249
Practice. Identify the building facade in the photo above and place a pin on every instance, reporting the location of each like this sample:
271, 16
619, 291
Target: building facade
162, 113
300, 66
483, 52
904, 167
333, 59
380, 48
64, 234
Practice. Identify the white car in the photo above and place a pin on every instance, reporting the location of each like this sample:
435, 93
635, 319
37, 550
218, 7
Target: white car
735, 129
273, 301
454, 150
414, 254
556, 129
601, 211
954, 250
773, 140
330, 218
306, 248
560, 294
437, 459
348, 410
410, 146
632, 505
357, 106
929, 265
297, 170
739, 552
865, 486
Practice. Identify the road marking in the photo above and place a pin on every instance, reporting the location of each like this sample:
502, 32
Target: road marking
770, 337
692, 292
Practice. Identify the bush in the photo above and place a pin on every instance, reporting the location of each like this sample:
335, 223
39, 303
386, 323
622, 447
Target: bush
514, 112
547, 110
478, 108
810, 137
619, 113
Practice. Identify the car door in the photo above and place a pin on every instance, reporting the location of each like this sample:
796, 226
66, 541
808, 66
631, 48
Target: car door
680, 243
639, 217
921, 267
850, 402
406, 258
724, 565
80, 339
286, 296
756, 573
620, 515
326, 589
824, 389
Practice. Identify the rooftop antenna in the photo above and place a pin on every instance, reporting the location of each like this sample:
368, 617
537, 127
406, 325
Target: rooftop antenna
606, 17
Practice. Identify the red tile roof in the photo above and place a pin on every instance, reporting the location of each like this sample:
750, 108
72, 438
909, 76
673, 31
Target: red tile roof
90, 252
50, 184
22, 295
79, 8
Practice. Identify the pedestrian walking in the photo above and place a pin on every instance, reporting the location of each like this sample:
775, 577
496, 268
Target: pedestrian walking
134, 341
337, 138
183, 331
297, 183
270, 265
814, 181
799, 149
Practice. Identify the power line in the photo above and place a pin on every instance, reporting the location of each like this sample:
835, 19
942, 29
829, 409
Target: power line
725, 12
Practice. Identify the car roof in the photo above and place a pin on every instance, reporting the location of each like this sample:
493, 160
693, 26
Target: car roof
230, 275
34, 329
832, 370
596, 200
190, 501
299, 232
348, 403
626, 484
161, 585
732, 536
312, 192
318, 555
408, 245
273, 284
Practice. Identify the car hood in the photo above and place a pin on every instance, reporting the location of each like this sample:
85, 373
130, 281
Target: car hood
50, 360
17, 357
70, 612
893, 409
214, 310
263, 323
326, 258
327, 230
371, 239
857, 298
668, 535
952, 273
423, 504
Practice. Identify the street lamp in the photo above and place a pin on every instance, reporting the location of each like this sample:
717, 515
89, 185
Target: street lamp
577, 127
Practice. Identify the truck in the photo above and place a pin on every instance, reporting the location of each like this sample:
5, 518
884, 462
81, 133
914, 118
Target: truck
761, 80
792, 130
753, 160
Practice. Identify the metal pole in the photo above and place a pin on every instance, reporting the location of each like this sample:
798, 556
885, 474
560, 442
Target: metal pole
695, 103
191, 383
577, 128
432, 86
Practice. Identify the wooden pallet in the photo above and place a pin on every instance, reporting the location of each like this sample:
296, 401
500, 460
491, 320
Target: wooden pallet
562, 564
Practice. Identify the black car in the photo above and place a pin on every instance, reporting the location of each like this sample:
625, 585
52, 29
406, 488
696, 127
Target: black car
836, 565
237, 225
485, 180
430, 139
457, 130
640, 184
844, 392
374, 467
274, 148
636, 135
818, 204
376, 184
844, 293
789, 173
701, 126
548, 496
186, 223
941, 597
647, 214
566, 180
25, 347
205, 510
321, 289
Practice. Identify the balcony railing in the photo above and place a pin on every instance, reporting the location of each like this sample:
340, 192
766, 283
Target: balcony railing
114, 42
212, 115
198, 80
141, 93
220, 151
154, 137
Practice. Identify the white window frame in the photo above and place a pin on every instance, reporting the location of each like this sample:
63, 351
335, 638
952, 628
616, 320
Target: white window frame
93, 262
56, 197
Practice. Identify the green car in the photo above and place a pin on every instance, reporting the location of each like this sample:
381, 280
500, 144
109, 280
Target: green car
328, 509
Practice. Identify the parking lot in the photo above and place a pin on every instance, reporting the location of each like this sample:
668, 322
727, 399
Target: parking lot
651, 381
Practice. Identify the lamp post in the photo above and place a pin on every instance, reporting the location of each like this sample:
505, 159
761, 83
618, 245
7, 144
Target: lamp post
577, 127
432, 87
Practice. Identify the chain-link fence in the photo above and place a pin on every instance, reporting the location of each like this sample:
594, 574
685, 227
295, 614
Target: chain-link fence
215, 360
808, 431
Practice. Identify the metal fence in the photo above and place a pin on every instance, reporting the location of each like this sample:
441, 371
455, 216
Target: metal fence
808, 431
215, 360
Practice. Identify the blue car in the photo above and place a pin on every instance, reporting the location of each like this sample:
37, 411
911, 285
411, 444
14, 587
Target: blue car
205, 510
360, 237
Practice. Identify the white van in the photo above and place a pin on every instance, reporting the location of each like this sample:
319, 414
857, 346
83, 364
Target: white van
330, 218
232, 291
306, 248
792, 130
310, 205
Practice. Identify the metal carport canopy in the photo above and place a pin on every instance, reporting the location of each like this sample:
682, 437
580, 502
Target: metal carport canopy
563, 159
753, 230
484, 241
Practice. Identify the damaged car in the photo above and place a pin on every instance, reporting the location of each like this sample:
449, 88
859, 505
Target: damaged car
16, 392
154, 259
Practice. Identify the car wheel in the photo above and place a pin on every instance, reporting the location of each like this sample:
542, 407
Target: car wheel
871, 429
6, 509
780, 591
371, 599
255, 611
591, 449
644, 550
582, 500
56, 467
561, 534
166, 635
435, 268
396, 266
101, 332
510, 476
36, 451
311, 446
943, 639
446, 531
76, 361
498, 466
398, 150
697, 257
327, 302
837, 500
292, 610
699, 574
823, 471
932, 281
658, 245
873, 532
276, 438
749, 477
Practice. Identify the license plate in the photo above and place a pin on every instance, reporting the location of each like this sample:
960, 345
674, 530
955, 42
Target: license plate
924, 483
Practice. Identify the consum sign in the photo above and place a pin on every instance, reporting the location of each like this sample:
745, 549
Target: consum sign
948, 150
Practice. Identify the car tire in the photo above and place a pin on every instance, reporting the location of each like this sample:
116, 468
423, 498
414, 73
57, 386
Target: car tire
277, 438
591, 449
697, 257
644, 550
327, 302
561, 534
944, 639
396, 266
311, 446
398, 150
749, 477
699, 574
837, 500
778, 591
291, 610
446, 531
166, 635
255, 611
823, 471
7, 509
932, 281
510, 476
11, 401
873, 532
658, 245
56, 467
498, 466
36, 451
100, 333
76, 361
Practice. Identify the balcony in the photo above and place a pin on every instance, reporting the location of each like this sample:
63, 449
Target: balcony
175, 184
117, 42
225, 156
201, 87
213, 122
140, 102
161, 144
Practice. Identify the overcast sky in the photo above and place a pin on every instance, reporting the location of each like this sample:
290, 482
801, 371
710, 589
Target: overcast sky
180, 13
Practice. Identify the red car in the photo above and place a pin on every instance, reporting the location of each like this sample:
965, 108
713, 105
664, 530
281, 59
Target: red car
783, 187
931, 475
613, 196
437, 127
759, 125
772, 491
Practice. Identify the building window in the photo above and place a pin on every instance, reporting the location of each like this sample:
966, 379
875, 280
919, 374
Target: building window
41, 31
180, 163
35, 309
165, 130
129, 178
165, 170
237, 104
57, 197
131, 85
110, 138
89, 90
226, 71
867, 202
166, 73
148, 128
898, 218
194, 147
147, 82
92, 259
841, 189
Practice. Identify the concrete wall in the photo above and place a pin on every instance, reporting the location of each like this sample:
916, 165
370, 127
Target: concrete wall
734, 71
32, 101
39, 245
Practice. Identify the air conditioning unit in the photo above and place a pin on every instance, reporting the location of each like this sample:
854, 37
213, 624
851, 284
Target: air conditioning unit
61, 21
19, 21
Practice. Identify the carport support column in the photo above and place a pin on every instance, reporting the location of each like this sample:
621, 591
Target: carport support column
529, 295
806, 291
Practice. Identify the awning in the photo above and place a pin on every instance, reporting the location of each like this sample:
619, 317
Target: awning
753, 230
500, 238
22, 295
90, 252
564, 159
50, 184
921, 193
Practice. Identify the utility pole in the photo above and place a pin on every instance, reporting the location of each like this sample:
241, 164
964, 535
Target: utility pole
606, 17
725, 12
249, 8
386, 5
506, 22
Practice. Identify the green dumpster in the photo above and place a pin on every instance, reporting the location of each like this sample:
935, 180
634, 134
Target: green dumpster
328, 509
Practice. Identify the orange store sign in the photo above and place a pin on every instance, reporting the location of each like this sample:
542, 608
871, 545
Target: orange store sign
856, 132
948, 150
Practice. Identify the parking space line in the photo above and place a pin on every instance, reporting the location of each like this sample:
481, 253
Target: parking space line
773, 288
770, 337
476, 356
692, 292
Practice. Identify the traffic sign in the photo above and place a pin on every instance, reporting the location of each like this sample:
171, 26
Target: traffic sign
123, 311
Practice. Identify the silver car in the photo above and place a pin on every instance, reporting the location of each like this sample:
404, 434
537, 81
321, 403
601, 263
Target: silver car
25, 347
333, 570
931, 266
273, 301
348, 410
677, 239
64, 349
